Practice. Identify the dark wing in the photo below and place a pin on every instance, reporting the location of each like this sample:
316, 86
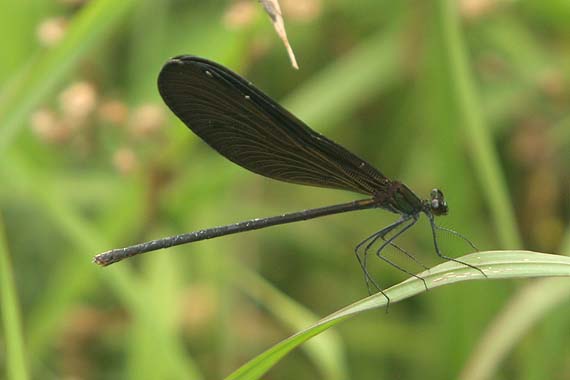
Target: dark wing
249, 128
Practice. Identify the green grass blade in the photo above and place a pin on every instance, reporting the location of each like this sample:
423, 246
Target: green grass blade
530, 305
36, 81
484, 156
496, 264
326, 353
523, 311
16, 368
86, 240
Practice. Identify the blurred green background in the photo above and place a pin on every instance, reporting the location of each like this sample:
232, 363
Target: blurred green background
470, 96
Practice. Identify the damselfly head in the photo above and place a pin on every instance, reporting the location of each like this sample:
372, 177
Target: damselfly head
437, 203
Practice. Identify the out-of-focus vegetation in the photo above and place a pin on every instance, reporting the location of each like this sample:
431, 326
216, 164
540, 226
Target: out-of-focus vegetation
471, 96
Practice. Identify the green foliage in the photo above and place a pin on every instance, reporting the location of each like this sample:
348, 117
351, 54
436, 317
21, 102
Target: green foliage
467, 96
496, 265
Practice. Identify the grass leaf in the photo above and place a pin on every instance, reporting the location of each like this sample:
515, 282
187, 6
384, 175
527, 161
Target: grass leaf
11, 319
496, 264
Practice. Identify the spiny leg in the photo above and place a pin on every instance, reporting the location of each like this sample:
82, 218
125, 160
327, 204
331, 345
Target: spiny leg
459, 235
390, 241
376, 236
407, 254
368, 279
441, 255
382, 235
379, 235
362, 261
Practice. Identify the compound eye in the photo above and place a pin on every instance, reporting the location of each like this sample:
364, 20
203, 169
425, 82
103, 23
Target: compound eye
435, 204
436, 194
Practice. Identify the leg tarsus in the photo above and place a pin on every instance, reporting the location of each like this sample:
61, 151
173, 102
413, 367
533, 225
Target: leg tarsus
459, 235
370, 241
438, 251
390, 242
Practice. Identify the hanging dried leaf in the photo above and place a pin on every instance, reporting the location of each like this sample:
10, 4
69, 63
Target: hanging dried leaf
274, 11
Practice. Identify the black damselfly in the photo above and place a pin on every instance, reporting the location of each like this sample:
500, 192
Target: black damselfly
249, 128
